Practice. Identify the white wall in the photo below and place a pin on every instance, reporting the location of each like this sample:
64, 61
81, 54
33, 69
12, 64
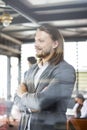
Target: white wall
26, 51
75, 54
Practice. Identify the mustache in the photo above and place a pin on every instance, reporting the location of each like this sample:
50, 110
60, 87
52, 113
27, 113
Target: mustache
38, 48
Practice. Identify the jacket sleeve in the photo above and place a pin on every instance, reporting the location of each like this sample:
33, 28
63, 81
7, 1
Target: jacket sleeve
60, 85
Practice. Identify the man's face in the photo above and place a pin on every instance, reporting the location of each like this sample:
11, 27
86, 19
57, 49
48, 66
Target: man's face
44, 45
78, 100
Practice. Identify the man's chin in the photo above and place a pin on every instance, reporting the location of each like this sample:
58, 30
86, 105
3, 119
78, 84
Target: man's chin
42, 55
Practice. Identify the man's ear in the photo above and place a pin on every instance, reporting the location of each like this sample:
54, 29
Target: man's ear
55, 44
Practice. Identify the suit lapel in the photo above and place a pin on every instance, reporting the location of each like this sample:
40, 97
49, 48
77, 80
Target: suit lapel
44, 75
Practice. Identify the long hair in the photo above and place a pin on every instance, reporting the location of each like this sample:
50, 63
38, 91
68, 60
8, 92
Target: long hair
55, 36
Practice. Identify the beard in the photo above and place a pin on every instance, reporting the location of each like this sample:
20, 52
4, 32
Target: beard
43, 54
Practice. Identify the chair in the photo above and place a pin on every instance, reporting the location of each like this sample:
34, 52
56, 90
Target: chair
76, 124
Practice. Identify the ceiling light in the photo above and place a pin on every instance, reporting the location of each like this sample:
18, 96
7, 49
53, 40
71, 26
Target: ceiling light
6, 19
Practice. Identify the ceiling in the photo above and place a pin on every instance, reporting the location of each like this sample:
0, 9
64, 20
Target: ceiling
70, 16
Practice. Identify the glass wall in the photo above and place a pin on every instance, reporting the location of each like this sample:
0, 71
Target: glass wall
13, 77
3, 76
26, 51
74, 52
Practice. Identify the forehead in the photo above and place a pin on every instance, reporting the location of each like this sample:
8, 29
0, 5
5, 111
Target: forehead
42, 34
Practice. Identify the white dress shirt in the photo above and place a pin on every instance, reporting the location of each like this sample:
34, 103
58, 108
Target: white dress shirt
75, 109
84, 110
40, 71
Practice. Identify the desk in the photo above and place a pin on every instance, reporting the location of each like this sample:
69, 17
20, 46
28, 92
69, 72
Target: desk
76, 124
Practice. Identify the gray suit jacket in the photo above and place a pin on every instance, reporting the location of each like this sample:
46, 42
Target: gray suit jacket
48, 101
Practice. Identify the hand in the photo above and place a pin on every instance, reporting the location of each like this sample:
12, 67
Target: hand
22, 89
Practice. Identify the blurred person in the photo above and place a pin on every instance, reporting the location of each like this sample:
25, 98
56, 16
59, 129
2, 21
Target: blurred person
31, 60
15, 114
84, 108
3, 107
79, 99
50, 83
80, 114
80, 107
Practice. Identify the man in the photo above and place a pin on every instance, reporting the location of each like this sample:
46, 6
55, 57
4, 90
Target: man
31, 60
50, 82
80, 108
79, 99
84, 109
